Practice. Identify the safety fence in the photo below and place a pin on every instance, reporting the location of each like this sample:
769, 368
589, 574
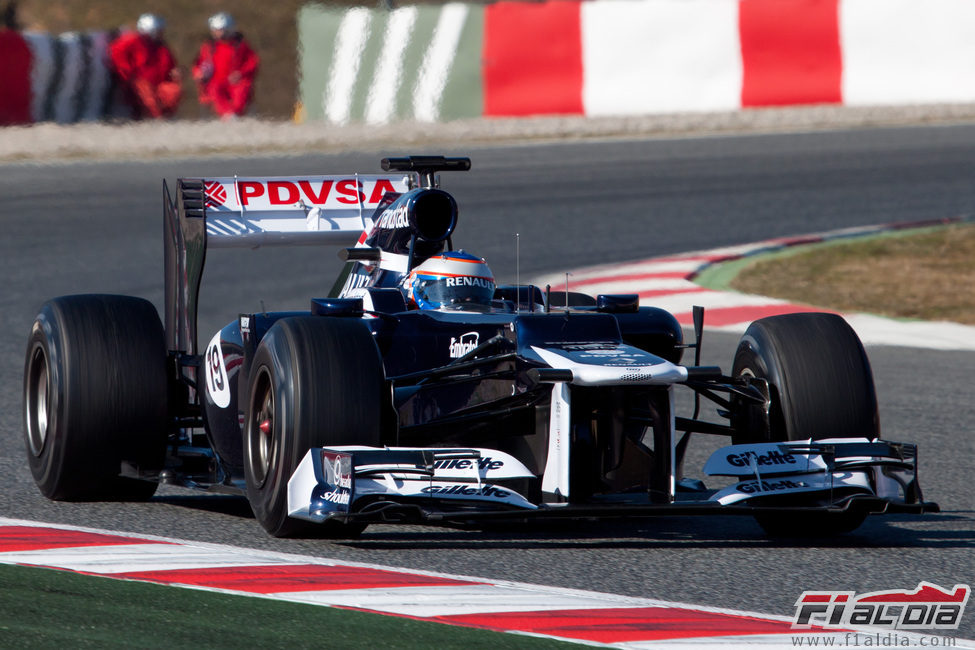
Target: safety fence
630, 57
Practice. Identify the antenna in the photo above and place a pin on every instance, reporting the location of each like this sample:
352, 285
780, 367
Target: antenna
517, 272
240, 203
362, 196
567, 274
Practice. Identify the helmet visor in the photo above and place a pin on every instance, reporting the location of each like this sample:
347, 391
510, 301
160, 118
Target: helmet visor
446, 291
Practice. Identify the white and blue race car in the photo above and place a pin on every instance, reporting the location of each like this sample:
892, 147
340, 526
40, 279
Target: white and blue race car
419, 391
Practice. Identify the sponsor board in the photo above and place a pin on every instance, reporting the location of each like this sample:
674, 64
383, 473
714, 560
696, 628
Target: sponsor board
611, 371
440, 489
793, 484
464, 344
334, 491
469, 281
216, 194
394, 218
245, 327
750, 458
356, 283
607, 354
482, 464
466, 490
275, 194
762, 459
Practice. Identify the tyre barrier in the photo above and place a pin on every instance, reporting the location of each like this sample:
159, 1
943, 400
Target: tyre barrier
619, 57
69, 78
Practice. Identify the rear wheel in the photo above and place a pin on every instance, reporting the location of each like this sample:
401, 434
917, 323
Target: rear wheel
315, 382
820, 386
95, 397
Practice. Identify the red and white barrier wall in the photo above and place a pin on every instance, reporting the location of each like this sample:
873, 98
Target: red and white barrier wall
576, 57
15, 64
656, 56
630, 57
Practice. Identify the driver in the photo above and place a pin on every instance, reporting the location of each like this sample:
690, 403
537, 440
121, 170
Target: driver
451, 280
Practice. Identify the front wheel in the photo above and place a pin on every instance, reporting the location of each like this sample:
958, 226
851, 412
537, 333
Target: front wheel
315, 382
820, 386
819, 378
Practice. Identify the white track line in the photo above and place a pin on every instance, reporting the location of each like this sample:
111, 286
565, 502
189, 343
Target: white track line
495, 601
669, 281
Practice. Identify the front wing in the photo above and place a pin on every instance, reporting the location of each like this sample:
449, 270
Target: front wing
465, 487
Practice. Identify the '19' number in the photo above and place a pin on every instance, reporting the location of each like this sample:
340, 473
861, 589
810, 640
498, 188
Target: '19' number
213, 365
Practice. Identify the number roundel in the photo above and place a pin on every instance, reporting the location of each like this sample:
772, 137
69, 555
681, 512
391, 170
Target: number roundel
216, 374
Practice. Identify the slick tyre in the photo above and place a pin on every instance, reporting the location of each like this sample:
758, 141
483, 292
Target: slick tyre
820, 386
819, 378
315, 382
95, 396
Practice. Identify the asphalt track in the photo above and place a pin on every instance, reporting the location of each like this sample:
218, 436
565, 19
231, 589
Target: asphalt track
97, 228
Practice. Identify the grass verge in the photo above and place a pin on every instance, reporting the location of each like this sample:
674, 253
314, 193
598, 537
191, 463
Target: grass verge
924, 274
46, 608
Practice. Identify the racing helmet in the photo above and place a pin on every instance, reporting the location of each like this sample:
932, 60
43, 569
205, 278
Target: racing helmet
150, 25
454, 279
221, 22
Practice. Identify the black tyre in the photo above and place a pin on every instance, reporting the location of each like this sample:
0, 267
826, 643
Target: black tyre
315, 382
820, 385
820, 381
95, 395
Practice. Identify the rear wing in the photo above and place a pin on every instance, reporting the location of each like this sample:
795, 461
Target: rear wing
250, 212
305, 210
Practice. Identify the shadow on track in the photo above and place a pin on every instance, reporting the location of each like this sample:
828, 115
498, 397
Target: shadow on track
219, 504
952, 529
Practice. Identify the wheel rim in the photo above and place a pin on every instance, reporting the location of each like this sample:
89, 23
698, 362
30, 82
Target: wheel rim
262, 426
38, 402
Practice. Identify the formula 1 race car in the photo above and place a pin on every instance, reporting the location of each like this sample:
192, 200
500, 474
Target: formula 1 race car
419, 391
